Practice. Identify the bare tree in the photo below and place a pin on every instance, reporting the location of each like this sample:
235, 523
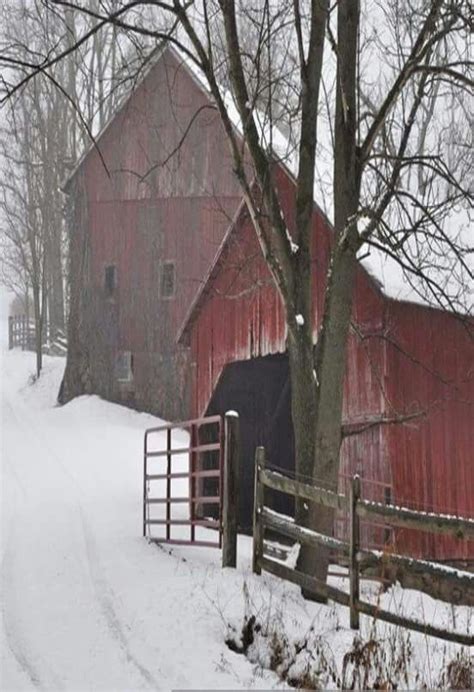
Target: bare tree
23, 227
392, 186
46, 127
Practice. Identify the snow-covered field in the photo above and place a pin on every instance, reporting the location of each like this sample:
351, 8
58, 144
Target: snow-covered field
88, 604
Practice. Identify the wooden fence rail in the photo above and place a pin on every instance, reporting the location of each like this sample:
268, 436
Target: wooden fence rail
21, 332
461, 528
266, 518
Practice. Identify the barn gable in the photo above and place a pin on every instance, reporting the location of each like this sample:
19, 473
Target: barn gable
154, 216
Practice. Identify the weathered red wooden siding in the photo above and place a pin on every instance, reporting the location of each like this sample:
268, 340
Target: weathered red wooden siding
168, 195
151, 149
429, 462
242, 316
183, 207
431, 368
120, 236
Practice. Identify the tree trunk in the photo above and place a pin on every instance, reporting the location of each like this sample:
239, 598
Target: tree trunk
331, 370
38, 329
77, 376
331, 351
56, 288
303, 408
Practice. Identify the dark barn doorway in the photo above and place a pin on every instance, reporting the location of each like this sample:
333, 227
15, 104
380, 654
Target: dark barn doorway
259, 390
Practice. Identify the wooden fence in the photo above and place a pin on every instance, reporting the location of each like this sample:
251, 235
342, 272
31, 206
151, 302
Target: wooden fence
22, 334
358, 559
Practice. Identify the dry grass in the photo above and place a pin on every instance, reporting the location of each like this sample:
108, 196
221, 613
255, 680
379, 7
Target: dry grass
373, 663
459, 673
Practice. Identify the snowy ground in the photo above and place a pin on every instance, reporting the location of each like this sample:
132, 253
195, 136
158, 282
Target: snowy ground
87, 604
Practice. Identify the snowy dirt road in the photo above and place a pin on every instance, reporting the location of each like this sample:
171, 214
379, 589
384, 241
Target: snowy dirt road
56, 598
86, 603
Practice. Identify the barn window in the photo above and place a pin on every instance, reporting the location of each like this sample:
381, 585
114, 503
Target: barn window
110, 279
124, 366
167, 280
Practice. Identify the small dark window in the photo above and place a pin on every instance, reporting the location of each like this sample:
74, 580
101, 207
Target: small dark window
124, 366
167, 280
110, 279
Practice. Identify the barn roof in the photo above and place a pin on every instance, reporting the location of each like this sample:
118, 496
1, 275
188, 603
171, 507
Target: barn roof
240, 216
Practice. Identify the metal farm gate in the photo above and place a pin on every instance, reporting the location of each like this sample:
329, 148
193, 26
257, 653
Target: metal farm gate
190, 482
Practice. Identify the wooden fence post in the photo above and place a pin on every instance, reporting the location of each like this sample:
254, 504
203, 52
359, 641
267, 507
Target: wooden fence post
257, 511
230, 509
24, 344
353, 550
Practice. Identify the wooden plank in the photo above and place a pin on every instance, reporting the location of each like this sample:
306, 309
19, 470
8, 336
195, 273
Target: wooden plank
258, 526
353, 549
327, 498
367, 558
230, 503
322, 589
305, 581
463, 581
395, 565
193, 438
415, 625
272, 550
286, 526
460, 528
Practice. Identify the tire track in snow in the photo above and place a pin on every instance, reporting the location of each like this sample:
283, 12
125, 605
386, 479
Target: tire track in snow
101, 587
7, 465
105, 598
16, 641
18, 654
13, 636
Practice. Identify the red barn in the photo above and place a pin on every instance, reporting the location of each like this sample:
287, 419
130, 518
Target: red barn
405, 362
149, 208
161, 322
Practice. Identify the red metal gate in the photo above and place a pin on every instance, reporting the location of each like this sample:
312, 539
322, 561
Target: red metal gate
197, 466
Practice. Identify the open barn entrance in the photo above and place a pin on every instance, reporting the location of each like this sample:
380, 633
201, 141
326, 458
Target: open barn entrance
259, 390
